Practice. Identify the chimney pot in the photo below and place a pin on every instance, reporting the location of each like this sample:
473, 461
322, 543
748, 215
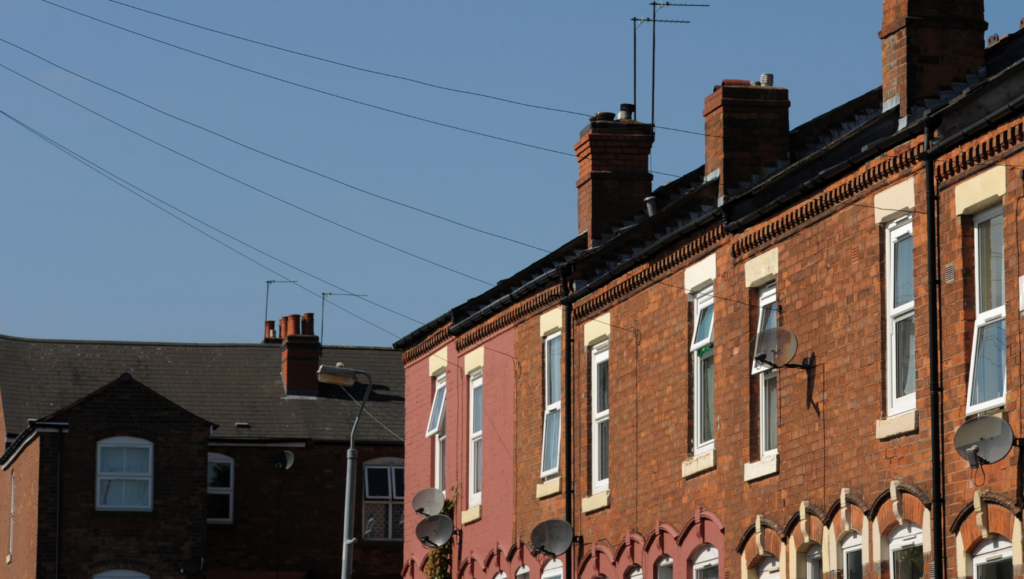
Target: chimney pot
307, 324
626, 111
293, 325
651, 203
268, 330
603, 117
284, 327
767, 79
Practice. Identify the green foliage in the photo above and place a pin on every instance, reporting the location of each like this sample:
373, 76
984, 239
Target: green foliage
439, 560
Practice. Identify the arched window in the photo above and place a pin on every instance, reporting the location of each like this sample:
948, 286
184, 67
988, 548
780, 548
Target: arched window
383, 495
768, 569
220, 488
851, 559
500, 575
124, 474
906, 552
120, 574
663, 568
523, 572
993, 559
814, 562
635, 572
553, 570
705, 563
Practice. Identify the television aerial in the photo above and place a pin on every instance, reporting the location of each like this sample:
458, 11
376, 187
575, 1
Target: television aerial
776, 347
983, 440
428, 502
435, 531
552, 537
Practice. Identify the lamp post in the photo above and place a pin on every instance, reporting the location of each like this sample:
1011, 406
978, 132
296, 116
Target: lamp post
342, 376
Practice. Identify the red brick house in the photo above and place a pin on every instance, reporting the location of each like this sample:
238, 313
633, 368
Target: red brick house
883, 234
129, 459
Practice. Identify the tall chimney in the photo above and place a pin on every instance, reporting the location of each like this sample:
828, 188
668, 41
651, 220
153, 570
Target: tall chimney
284, 327
307, 324
300, 358
926, 46
747, 130
614, 180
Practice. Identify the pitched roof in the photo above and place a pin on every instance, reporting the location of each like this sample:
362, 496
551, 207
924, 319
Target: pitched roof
223, 383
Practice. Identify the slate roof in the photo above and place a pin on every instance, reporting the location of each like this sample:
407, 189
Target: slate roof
223, 383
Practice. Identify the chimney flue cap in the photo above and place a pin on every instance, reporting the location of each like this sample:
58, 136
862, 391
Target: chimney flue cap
603, 117
626, 111
767, 79
651, 205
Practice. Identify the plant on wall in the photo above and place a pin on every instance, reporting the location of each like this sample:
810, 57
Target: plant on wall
439, 560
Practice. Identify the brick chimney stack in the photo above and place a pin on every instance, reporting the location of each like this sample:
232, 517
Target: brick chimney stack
747, 129
926, 46
614, 181
300, 356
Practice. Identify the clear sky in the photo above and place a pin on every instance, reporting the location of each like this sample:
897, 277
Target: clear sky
85, 259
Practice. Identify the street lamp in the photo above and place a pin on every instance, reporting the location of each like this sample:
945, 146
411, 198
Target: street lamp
342, 376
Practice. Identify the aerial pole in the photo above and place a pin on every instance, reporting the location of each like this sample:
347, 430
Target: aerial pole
655, 6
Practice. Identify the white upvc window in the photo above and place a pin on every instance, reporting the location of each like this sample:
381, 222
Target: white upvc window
220, 488
987, 382
993, 559
437, 408
552, 404
476, 438
552, 570
768, 569
383, 499
600, 391
664, 568
814, 567
906, 553
852, 562
768, 377
440, 453
703, 351
705, 563
124, 474
899, 306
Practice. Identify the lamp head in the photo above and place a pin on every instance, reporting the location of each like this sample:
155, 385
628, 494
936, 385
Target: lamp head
338, 375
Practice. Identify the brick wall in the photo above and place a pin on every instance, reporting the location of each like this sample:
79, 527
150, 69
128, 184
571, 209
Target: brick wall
25, 472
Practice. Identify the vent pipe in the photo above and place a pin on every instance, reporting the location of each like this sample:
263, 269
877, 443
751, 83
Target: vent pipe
626, 111
767, 79
652, 205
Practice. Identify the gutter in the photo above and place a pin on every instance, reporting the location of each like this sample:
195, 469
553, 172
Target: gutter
943, 146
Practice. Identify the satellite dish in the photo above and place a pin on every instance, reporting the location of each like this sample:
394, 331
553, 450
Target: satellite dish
983, 440
435, 531
284, 460
552, 537
428, 502
775, 347
193, 566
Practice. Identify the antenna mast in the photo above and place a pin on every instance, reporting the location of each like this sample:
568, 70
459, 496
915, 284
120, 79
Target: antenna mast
655, 6
266, 307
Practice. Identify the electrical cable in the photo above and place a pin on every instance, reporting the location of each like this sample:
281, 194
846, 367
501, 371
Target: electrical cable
310, 88
255, 150
129, 187
253, 187
377, 72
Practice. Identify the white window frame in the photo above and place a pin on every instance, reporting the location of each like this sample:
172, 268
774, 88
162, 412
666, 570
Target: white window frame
765, 372
552, 570
904, 537
437, 408
664, 566
893, 234
549, 407
523, 572
392, 499
985, 318
230, 490
124, 442
599, 354
992, 549
441, 453
768, 569
814, 556
704, 300
10, 550
852, 543
705, 558
476, 381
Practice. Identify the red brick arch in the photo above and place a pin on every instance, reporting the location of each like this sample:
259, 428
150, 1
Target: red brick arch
662, 542
771, 543
705, 528
598, 561
470, 567
911, 505
998, 513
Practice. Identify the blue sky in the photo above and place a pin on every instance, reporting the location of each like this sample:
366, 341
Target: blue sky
85, 259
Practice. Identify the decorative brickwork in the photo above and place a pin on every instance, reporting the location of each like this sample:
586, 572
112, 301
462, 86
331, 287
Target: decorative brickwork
509, 317
428, 344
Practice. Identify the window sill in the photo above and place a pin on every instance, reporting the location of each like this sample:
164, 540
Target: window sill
596, 502
470, 515
898, 425
698, 464
767, 466
549, 488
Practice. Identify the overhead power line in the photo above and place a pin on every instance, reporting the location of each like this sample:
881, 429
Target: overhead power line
250, 186
260, 152
314, 89
130, 188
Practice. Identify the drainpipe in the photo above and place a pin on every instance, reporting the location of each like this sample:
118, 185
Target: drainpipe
567, 392
938, 536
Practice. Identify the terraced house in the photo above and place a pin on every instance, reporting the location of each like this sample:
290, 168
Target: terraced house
617, 382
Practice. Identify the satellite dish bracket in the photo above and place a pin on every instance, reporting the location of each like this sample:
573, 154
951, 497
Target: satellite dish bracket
807, 364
